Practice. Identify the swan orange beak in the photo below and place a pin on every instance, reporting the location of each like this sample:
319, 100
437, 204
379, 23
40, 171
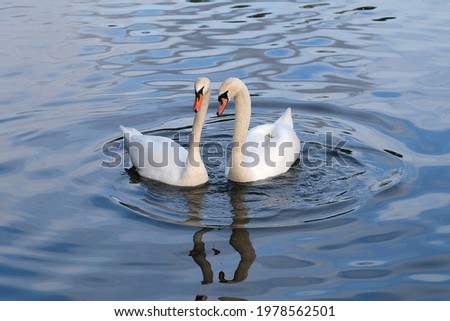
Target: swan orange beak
198, 102
223, 104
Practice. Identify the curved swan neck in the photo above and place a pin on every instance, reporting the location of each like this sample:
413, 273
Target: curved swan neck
194, 157
243, 111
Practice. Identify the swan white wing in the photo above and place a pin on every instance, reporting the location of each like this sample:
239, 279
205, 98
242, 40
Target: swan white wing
155, 157
271, 149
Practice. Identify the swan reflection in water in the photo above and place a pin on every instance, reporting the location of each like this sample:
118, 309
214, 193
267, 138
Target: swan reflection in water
194, 197
239, 240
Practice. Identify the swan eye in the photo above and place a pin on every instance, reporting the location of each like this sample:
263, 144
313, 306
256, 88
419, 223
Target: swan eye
223, 96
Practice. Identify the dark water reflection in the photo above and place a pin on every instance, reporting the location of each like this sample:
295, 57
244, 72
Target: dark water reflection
367, 219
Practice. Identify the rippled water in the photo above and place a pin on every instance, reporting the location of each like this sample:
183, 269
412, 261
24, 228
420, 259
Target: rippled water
364, 214
336, 175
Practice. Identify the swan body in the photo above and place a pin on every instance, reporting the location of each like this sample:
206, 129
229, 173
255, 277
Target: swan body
264, 151
162, 159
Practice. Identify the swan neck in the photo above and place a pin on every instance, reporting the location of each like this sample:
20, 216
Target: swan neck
242, 122
194, 157
243, 113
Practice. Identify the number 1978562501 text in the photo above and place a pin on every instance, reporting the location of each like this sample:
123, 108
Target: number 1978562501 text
292, 310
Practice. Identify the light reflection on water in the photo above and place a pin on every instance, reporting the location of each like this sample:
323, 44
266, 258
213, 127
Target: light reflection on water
375, 76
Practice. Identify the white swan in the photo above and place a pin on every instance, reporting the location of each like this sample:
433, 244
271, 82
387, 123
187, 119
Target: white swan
162, 159
264, 151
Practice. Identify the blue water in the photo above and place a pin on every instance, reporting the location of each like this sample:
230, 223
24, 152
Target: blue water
364, 214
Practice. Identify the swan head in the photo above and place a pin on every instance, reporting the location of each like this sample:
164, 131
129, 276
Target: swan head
201, 87
228, 90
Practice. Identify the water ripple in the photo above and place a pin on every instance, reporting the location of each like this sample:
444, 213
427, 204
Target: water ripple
373, 226
337, 174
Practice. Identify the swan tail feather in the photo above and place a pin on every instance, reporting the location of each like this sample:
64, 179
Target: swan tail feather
286, 118
127, 131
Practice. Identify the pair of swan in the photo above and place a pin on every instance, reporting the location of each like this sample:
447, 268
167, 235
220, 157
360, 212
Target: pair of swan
262, 152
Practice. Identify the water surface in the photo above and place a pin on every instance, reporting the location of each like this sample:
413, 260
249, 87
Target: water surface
362, 215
